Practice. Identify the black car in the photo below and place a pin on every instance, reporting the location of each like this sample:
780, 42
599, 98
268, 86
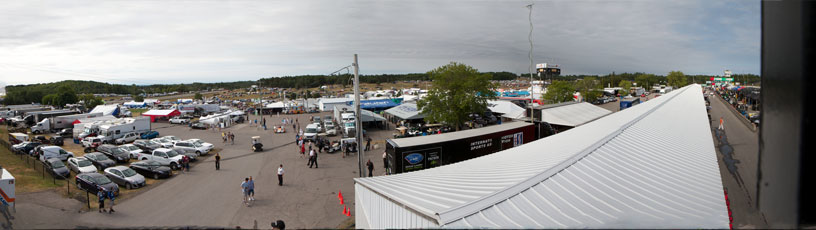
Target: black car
114, 152
101, 161
25, 147
151, 168
92, 182
57, 140
146, 145
68, 132
198, 125
57, 168
42, 139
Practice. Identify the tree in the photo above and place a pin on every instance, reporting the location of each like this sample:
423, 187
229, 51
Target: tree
198, 96
138, 98
50, 99
590, 88
644, 80
559, 91
676, 79
90, 101
625, 85
66, 95
458, 90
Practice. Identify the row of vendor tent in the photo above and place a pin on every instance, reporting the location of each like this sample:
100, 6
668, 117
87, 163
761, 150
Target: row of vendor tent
507, 109
367, 116
223, 120
649, 166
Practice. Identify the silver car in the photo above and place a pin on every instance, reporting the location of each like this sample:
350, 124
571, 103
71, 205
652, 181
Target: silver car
125, 176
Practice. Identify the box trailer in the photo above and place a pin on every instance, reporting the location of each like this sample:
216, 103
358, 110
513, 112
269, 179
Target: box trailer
7, 194
629, 102
32, 118
56, 123
422, 152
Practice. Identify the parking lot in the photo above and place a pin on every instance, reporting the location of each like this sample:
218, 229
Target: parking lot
209, 198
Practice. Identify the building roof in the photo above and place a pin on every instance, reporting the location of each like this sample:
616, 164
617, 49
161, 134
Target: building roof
422, 140
572, 113
407, 111
506, 108
650, 166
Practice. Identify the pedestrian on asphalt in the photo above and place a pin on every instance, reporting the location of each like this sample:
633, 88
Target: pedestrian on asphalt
721, 124
184, 160
224, 137
368, 144
251, 189
187, 163
101, 195
232, 137
280, 175
302, 150
310, 145
370, 168
245, 190
112, 197
385, 160
217, 161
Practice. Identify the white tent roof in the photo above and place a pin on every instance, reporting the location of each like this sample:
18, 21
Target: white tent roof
367, 115
134, 103
573, 114
650, 166
406, 111
276, 105
159, 112
105, 109
335, 100
506, 108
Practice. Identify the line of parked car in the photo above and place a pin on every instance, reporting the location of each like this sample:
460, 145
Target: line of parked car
157, 157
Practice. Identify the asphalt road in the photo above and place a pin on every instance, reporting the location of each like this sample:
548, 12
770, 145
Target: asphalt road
738, 155
206, 197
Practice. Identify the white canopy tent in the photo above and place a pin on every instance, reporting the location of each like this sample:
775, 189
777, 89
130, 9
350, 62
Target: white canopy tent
506, 108
650, 166
406, 111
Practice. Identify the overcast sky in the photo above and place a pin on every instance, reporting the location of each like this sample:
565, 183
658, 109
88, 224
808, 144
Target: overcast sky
147, 42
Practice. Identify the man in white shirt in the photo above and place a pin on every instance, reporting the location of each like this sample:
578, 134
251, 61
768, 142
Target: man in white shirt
313, 159
280, 175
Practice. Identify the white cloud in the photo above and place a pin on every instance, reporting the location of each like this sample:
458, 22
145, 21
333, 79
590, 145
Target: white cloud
144, 42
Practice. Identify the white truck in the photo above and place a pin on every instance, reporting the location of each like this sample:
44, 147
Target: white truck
7, 187
48, 125
115, 130
164, 156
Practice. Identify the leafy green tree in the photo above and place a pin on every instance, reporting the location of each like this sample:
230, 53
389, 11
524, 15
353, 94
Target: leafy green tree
90, 101
198, 96
138, 98
590, 88
291, 95
625, 85
66, 95
676, 79
50, 99
644, 80
559, 91
458, 90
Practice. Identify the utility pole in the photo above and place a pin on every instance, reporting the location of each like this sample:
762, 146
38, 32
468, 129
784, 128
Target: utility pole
357, 116
530, 37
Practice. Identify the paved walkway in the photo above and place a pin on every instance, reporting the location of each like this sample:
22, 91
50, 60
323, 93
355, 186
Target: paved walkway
738, 154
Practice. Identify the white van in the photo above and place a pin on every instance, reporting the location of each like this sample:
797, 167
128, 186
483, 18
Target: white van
311, 132
49, 152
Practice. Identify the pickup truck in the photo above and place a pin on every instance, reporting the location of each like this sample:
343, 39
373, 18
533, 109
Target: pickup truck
164, 156
179, 120
91, 142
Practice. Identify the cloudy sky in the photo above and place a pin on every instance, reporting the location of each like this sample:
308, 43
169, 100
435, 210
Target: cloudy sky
146, 42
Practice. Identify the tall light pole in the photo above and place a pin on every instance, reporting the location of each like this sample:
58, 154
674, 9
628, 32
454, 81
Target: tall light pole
530, 37
357, 119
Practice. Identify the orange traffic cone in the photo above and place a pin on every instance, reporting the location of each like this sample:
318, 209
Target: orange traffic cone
339, 195
344, 210
348, 213
341, 201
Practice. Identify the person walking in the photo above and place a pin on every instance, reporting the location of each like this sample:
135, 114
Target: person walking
721, 124
280, 175
385, 160
232, 137
101, 195
217, 161
245, 190
251, 189
370, 168
186, 163
368, 144
302, 149
223, 137
311, 158
112, 197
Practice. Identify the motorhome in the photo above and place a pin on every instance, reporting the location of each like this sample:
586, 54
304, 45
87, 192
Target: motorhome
118, 128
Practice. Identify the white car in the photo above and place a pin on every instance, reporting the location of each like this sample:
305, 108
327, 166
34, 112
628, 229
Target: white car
330, 129
165, 143
179, 120
81, 165
202, 143
127, 138
48, 152
172, 139
133, 150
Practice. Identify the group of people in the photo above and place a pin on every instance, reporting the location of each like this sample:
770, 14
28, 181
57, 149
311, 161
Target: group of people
248, 190
102, 195
228, 136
